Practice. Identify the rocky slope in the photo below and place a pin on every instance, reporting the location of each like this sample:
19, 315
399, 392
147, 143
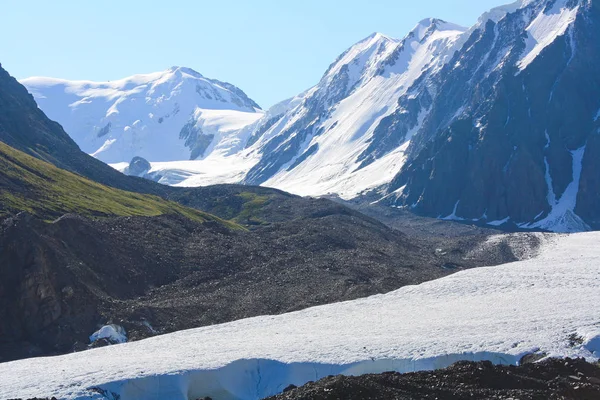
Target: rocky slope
48, 192
550, 379
60, 281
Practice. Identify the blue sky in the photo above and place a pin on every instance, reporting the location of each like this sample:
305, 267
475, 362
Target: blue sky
271, 49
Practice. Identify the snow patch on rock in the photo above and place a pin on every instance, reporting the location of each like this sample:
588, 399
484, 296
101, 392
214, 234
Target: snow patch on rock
113, 333
562, 217
453, 216
499, 222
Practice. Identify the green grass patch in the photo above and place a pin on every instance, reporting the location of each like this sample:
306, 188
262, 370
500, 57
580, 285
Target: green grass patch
252, 205
32, 185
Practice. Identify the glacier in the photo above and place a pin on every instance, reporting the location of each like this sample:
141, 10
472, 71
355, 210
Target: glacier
493, 313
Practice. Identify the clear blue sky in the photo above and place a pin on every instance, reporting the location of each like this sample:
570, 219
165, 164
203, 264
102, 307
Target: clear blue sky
271, 49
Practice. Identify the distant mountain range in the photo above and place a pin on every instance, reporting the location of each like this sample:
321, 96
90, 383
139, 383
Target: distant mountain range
497, 124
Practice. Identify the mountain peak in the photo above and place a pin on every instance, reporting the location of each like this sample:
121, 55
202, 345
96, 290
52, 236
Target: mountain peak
185, 70
360, 53
429, 21
173, 114
429, 25
378, 37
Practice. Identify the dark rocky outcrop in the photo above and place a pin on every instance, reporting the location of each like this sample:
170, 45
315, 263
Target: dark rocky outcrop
551, 379
138, 166
196, 140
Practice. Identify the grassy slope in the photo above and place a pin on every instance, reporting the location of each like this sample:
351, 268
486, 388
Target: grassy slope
29, 184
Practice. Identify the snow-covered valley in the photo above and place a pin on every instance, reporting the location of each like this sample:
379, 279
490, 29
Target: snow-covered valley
546, 305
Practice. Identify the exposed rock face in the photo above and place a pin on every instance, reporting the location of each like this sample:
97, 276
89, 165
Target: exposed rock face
195, 139
34, 294
511, 137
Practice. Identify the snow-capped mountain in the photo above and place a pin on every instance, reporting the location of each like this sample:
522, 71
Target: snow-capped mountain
471, 315
512, 136
176, 114
496, 124
336, 137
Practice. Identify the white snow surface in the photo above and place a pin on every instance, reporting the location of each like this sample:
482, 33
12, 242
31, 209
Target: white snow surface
495, 313
545, 28
143, 115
